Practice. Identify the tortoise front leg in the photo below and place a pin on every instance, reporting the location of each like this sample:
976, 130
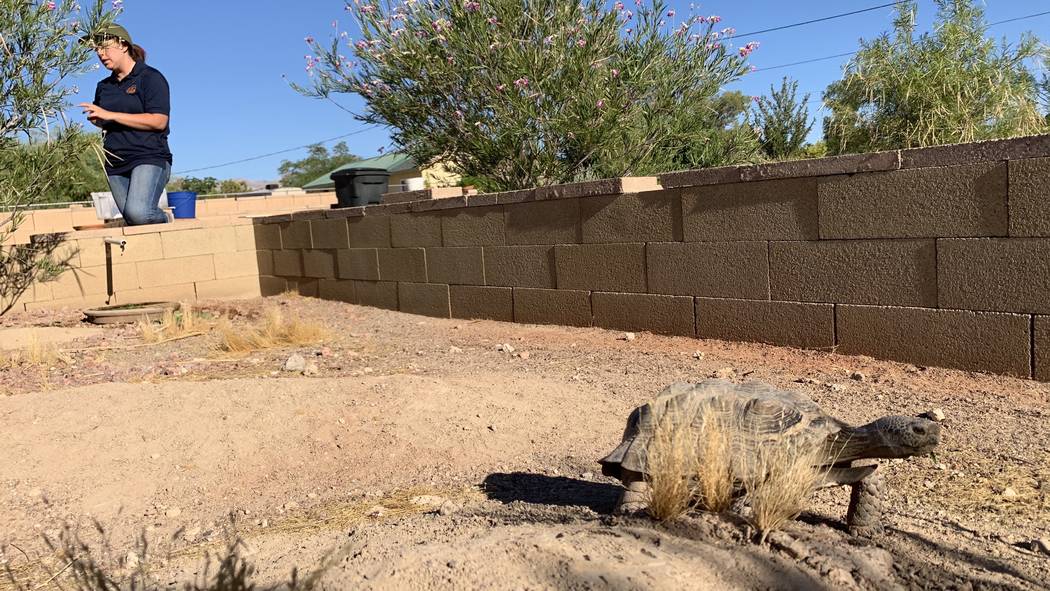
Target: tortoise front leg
864, 516
635, 497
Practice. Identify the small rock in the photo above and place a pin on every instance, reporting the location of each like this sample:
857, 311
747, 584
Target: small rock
492, 428
789, 545
191, 534
311, 369
1009, 493
173, 512
295, 363
448, 508
367, 370
291, 505
429, 501
928, 484
454, 349
835, 387
627, 336
131, 560
857, 376
940, 466
377, 511
725, 373
264, 523
324, 352
524, 355
452, 564
154, 456
1042, 545
840, 578
505, 347
311, 495
698, 354
936, 415
587, 475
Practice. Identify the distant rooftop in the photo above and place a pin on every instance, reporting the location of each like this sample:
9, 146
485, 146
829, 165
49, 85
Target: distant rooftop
393, 162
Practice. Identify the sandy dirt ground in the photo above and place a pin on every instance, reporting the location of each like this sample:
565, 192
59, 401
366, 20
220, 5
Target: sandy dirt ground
421, 453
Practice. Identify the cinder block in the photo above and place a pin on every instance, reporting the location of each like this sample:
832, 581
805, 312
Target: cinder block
813, 167
243, 263
646, 217
473, 226
789, 324
544, 222
369, 231
882, 272
613, 186
79, 282
491, 303
223, 206
456, 265
953, 201
319, 264
52, 220
1042, 348
1030, 197
402, 264
288, 263
661, 314
266, 236
202, 241
1035, 146
975, 341
713, 269
705, 176
996, 274
358, 263
415, 229
379, 294
428, 299
341, 291
296, 235
264, 261
238, 288
175, 271
765, 210
144, 247
182, 292
552, 306
519, 266
271, 286
601, 267
310, 288
330, 233
79, 302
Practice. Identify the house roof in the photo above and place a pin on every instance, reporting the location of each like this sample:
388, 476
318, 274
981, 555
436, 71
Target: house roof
393, 162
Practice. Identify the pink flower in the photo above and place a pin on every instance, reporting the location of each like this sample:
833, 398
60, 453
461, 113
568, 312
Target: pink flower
615, 73
714, 18
50, 5
670, 13
600, 104
368, 9
521, 82
471, 6
493, 20
618, 6
501, 87
581, 42
749, 48
309, 40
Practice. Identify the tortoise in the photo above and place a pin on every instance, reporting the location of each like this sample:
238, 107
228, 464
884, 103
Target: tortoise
755, 413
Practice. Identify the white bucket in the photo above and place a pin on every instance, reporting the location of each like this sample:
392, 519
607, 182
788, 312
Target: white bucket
414, 184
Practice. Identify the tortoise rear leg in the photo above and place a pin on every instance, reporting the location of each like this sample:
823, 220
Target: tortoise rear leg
635, 497
864, 516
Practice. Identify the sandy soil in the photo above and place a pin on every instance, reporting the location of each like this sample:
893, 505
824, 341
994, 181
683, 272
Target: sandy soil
421, 453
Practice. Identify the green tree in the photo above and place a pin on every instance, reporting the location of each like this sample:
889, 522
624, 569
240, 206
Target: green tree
525, 93
74, 179
40, 51
233, 186
204, 186
782, 121
296, 173
951, 85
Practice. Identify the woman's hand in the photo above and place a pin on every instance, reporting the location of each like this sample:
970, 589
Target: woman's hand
142, 121
96, 114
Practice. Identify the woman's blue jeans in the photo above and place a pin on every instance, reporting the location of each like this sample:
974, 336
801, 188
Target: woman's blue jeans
138, 193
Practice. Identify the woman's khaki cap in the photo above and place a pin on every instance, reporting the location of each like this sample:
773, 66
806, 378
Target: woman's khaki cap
107, 32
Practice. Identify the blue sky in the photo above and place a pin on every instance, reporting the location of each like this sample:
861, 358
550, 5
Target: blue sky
225, 62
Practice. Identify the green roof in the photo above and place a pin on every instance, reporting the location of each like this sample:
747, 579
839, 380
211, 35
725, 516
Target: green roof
394, 162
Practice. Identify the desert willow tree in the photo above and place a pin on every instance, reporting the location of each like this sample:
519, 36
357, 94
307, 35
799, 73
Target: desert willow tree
519, 93
950, 85
40, 53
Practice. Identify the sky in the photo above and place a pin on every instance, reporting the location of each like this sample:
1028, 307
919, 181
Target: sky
228, 65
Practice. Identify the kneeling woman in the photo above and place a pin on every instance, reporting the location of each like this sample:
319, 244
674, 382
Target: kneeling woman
132, 107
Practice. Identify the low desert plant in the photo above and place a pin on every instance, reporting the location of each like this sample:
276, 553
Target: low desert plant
780, 475
175, 324
275, 331
713, 467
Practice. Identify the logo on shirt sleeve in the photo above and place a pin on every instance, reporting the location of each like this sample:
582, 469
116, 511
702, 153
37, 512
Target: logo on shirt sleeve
132, 89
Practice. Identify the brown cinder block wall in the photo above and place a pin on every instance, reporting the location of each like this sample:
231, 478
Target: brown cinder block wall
936, 256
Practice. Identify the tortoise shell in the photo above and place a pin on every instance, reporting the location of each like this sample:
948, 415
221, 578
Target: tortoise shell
752, 413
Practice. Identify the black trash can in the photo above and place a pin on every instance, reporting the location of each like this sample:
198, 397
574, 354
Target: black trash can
359, 186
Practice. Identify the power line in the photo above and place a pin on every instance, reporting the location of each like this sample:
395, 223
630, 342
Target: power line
816, 20
837, 55
261, 156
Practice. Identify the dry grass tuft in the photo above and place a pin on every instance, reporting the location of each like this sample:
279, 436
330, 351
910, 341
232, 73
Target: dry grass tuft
689, 463
35, 353
175, 324
782, 473
274, 331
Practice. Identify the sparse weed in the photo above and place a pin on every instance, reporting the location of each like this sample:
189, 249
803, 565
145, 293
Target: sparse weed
780, 475
175, 324
274, 331
714, 468
35, 353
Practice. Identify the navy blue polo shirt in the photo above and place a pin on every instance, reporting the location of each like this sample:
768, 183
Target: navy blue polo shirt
144, 90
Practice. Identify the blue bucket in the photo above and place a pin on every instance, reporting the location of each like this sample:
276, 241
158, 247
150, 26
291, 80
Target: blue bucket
183, 204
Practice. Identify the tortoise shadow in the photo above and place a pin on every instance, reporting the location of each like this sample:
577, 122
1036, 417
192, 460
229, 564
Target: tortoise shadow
540, 489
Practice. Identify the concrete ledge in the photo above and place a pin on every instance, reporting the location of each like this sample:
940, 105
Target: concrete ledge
790, 324
552, 306
996, 274
975, 341
423, 194
766, 210
847, 164
644, 312
427, 299
1036, 146
601, 267
881, 272
700, 177
614, 186
519, 266
490, 303
714, 269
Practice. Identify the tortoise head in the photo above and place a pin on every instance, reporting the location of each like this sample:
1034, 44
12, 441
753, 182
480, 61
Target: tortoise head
894, 436
898, 436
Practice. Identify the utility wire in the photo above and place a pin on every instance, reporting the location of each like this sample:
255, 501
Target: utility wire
261, 156
816, 20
